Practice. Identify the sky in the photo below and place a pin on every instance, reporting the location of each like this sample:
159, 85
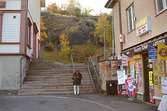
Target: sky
96, 5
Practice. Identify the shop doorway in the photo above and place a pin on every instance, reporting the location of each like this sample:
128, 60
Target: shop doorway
146, 77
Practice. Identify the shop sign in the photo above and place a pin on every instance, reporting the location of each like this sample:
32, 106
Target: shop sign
137, 56
151, 52
124, 60
159, 41
143, 26
164, 85
137, 49
162, 51
121, 77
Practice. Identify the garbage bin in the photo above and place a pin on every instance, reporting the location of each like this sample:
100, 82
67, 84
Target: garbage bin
111, 87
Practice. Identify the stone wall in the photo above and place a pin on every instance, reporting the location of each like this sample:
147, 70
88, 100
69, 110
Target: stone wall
11, 72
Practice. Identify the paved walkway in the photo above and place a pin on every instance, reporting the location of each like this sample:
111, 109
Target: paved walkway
70, 103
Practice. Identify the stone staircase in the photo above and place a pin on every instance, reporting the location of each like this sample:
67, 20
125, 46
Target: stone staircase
46, 78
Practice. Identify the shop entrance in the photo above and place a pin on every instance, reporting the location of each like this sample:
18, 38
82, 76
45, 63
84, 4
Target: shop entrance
146, 77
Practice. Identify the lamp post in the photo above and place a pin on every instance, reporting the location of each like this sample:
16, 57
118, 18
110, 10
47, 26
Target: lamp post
104, 40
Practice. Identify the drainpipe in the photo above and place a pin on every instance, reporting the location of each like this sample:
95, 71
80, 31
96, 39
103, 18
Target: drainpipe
113, 40
120, 25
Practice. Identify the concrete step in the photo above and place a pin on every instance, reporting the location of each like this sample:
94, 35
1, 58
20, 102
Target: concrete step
52, 93
54, 90
55, 77
55, 86
45, 78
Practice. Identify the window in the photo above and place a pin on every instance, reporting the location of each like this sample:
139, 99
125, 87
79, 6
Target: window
161, 5
2, 4
130, 18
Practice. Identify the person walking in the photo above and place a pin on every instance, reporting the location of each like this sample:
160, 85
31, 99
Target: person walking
77, 77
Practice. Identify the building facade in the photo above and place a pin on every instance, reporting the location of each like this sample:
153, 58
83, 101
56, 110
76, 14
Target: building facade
140, 29
19, 40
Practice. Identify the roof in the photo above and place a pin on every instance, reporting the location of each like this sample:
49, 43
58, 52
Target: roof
110, 3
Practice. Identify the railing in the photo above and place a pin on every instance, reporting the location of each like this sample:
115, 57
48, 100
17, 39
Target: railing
95, 75
72, 63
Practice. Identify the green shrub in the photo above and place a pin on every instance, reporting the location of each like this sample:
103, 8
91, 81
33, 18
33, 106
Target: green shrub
82, 52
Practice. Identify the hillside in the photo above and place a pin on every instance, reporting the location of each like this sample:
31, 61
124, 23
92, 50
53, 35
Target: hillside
78, 29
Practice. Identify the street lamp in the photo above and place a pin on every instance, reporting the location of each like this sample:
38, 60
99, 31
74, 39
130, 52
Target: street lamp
104, 40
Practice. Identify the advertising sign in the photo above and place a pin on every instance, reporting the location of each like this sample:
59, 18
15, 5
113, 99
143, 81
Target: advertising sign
151, 78
124, 60
131, 86
162, 51
151, 52
121, 77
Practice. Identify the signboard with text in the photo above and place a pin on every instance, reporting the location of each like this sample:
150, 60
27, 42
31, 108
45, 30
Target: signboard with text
151, 52
121, 77
143, 26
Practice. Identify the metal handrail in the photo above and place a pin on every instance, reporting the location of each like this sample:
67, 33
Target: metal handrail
95, 75
91, 78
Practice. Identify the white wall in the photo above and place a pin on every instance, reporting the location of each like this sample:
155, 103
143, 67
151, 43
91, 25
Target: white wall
11, 27
13, 4
9, 72
35, 10
6, 49
12, 72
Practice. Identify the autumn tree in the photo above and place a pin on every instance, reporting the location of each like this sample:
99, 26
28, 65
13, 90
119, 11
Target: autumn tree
73, 8
64, 46
44, 35
53, 8
103, 30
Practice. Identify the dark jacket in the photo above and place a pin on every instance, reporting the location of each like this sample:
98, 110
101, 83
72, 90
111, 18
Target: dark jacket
77, 78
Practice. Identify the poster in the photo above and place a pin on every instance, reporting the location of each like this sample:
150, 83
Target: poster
162, 51
121, 77
131, 86
132, 70
151, 78
139, 79
164, 85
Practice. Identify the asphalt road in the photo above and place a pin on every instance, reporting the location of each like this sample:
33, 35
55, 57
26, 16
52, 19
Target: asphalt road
70, 103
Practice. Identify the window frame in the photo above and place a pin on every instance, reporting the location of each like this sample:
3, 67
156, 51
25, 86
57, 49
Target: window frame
164, 6
1, 25
29, 33
130, 13
3, 5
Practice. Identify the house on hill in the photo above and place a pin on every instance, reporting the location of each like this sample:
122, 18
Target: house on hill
19, 40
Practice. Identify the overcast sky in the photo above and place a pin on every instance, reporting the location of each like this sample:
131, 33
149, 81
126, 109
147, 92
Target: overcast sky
96, 5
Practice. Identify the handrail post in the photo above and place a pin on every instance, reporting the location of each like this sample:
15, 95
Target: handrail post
73, 66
